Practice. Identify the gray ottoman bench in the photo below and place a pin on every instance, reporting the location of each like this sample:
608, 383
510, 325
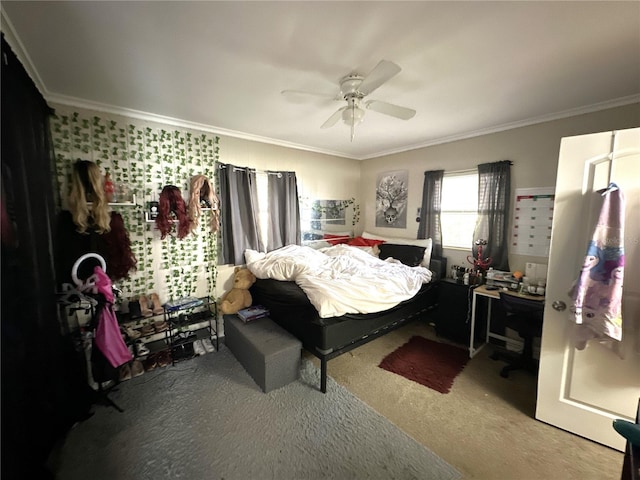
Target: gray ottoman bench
269, 353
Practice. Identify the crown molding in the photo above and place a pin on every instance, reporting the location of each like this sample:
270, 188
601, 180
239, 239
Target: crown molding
176, 122
151, 117
21, 52
618, 102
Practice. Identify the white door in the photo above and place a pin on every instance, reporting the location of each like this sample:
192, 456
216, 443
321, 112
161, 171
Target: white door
583, 391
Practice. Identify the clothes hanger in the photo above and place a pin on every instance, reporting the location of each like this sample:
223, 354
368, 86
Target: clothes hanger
71, 296
611, 188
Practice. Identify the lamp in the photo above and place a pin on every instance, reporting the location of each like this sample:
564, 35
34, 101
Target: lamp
352, 115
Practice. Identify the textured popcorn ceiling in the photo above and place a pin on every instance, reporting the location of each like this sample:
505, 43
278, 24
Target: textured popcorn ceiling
467, 67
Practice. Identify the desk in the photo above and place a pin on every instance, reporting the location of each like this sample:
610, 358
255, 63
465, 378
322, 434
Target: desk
495, 295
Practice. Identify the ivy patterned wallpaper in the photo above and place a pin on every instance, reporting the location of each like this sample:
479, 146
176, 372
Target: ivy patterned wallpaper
145, 157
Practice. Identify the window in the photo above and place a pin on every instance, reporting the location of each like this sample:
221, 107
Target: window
459, 209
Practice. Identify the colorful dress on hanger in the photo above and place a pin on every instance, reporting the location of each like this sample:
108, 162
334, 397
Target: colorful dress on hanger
597, 294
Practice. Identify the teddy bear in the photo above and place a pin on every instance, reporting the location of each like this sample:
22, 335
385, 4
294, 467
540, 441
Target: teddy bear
239, 296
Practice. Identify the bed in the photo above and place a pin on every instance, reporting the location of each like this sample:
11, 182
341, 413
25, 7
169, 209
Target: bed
330, 332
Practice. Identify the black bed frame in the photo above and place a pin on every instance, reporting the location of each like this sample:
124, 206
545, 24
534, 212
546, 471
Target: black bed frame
325, 357
328, 338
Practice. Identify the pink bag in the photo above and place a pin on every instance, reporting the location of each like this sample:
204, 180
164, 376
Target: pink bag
107, 334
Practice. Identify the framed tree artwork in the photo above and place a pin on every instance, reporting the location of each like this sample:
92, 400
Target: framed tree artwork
391, 199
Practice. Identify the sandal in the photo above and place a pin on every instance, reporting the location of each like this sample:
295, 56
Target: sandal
125, 372
144, 306
164, 358
155, 304
150, 363
131, 333
146, 330
160, 326
136, 368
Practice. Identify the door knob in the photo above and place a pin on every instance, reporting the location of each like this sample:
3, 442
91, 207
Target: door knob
559, 305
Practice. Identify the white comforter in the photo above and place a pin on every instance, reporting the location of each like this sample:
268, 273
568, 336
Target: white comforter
340, 279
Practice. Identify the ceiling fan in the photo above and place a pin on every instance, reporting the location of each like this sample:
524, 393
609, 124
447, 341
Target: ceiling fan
353, 89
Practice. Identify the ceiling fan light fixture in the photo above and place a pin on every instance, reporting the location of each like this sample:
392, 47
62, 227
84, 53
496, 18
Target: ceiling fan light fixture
352, 115
354, 88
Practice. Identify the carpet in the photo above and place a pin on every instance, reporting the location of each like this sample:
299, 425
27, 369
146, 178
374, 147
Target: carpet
432, 364
206, 419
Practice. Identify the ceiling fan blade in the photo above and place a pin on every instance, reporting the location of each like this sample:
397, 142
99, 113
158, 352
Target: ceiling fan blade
380, 74
391, 109
333, 119
297, 95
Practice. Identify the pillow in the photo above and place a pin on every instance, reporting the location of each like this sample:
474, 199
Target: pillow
251, 256
364, 242
336, 239
369, 250
411, 255
426, 243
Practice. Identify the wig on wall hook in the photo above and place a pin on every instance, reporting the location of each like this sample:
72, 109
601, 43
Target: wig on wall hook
87, 201
171, 209
203, 196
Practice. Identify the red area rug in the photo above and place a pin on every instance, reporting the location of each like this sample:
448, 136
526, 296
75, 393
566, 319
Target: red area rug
432, 364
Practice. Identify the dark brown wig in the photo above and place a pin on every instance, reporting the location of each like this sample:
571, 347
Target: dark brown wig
120, 257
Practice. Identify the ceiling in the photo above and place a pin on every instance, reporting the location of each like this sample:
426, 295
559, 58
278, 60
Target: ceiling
468, 68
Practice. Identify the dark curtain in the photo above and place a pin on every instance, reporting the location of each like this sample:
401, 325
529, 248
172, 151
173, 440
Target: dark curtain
284, 210
494, 195
239, 220
43, 391
431, 210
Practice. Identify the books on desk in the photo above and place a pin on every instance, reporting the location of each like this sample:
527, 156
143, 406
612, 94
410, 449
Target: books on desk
252, 313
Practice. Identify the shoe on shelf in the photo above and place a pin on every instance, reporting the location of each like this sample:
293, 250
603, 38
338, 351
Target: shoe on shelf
160, 326
164, 358
144, 306
150, 362
142, 349
134, 308
155, 304
131, 333
199, 348
125, 372
146, 330
208, 345
183, 337
137, 368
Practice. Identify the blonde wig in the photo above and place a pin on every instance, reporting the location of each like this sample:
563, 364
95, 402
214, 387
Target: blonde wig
86, 186
201, 190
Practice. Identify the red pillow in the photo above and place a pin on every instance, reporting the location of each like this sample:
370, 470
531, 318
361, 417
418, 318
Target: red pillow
364, 242
336, 239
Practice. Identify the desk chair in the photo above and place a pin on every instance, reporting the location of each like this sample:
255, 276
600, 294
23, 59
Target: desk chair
523, 315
